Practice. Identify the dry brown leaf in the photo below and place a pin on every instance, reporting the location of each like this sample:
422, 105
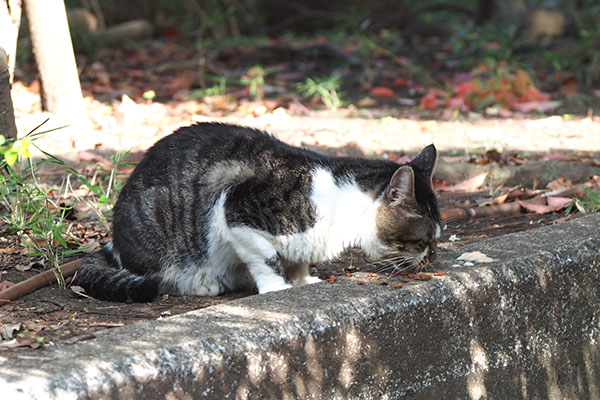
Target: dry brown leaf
6, 284
560, 184
470, 185
558, 203
553, 204
8, 250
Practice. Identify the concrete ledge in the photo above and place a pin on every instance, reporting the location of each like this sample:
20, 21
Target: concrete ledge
526, 326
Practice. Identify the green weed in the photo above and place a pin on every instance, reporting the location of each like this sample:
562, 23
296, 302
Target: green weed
327, 89
27, 207
105, 192
591, 205
254, 79
215, 90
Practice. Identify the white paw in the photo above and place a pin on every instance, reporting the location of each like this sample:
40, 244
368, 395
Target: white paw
307, 280
273, 287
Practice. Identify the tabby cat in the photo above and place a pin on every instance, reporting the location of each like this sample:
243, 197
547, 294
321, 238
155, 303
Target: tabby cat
214, 208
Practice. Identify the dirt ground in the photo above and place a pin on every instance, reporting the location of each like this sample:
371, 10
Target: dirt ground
122, 120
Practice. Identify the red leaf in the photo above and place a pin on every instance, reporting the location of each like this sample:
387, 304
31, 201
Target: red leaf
400, 82
382, 91
558, 203
464, 89
429, 102
536, 208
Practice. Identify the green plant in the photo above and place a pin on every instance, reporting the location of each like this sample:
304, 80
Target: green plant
215, 90
585, 206
255, 80
324, 88
27, 207
105, 193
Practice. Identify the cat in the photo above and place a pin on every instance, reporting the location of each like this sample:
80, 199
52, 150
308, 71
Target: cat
214, 208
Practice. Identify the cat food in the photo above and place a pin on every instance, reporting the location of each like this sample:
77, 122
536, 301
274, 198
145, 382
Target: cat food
361, 283
397, 285
383, 283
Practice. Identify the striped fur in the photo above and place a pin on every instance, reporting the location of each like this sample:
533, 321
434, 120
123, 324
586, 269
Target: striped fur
215, 208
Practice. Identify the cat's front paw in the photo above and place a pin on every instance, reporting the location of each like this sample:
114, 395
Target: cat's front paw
307, 280
273, 287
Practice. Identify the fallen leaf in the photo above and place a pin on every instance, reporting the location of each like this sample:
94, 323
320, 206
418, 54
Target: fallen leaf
558, 203
381, 91
470, 185
9, 332
6, 285
366, 102
400, 82
559, 184
8, 250
554, 204
536, 208
23, 267
475, 257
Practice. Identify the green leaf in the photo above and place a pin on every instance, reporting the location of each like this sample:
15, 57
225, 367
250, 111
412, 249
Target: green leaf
58, 235
149, 94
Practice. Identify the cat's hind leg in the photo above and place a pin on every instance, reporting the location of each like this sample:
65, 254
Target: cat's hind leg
299, 273
261, 259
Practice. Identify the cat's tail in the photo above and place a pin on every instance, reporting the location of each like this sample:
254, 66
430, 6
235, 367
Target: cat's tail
103, 277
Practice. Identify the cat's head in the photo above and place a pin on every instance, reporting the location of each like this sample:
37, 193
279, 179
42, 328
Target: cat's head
408, 220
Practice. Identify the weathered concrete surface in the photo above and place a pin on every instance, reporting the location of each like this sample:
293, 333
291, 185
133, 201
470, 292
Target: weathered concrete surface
526, 326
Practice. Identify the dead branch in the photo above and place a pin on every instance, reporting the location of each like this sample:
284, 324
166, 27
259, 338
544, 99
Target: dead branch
38, 281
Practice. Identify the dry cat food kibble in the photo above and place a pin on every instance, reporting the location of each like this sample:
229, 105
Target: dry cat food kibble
397, 285
361, 283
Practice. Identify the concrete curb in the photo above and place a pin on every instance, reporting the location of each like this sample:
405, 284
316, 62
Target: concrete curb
525, 326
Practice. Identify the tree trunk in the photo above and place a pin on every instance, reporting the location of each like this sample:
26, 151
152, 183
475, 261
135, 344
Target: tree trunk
7, 116
10, 20
53, 49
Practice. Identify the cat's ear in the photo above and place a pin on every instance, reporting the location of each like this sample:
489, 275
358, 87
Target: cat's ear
426, 160
401, 188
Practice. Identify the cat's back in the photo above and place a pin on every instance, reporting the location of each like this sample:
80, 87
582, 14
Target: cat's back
203, 144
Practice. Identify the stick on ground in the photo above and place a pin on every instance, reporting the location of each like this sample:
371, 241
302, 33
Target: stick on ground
38, 281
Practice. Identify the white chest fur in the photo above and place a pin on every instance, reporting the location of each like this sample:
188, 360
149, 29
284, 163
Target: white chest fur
345, 217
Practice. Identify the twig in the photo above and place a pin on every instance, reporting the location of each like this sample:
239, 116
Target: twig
38, 281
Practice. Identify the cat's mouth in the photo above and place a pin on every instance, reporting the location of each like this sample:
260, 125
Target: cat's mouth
396, 261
